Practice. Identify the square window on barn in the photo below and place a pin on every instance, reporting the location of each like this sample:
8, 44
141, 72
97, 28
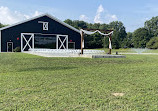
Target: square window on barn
45, 25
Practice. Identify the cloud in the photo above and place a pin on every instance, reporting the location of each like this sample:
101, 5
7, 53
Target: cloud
103, 16
97, 18
37, 13
10, 17
84, 18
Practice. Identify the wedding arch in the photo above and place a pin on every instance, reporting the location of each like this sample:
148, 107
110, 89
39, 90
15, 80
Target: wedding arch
109, 34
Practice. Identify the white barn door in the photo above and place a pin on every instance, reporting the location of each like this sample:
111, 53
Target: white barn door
27, 41
62, 42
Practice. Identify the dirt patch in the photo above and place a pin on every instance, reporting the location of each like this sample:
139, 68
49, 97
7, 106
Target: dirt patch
118, 94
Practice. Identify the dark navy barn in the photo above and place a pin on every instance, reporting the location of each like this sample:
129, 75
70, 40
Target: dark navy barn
44, 31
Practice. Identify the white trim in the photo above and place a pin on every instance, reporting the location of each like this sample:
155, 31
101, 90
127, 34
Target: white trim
67, 41
45, 25
33, 42
12, 46
57, 20
57, 42
62, 42
0, 41
27, 41
21, 42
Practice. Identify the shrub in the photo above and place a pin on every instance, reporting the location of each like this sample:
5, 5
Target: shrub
17, 49
153, 43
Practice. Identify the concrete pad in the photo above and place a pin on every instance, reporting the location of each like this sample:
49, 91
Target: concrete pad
44, 54
108, 56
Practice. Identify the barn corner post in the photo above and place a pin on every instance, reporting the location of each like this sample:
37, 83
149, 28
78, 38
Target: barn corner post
82, 39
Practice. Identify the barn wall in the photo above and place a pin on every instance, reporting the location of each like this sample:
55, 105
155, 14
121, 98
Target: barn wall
12, 33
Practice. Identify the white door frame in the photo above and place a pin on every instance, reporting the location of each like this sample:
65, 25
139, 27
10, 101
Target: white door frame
7, 46
27, 41
62, 42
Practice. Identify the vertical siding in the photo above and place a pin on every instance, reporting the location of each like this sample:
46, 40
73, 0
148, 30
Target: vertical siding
32, 26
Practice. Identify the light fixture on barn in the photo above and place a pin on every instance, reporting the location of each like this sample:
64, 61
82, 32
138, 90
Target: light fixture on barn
107, 33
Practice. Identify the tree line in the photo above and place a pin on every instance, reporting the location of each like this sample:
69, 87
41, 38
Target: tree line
144, 37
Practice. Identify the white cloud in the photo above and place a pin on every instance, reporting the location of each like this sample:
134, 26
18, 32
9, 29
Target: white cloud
84, 18
97, 18
10, 17
37, 13
103, 16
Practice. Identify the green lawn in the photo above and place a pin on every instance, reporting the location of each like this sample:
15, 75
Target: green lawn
29, 82
129, 50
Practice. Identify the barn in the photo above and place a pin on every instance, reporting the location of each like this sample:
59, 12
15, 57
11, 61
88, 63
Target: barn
44, 31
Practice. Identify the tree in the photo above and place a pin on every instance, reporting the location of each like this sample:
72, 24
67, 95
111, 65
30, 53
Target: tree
140, 38
128, 41
152, 26
76, 23
68, 21
94, 41
153, 43
119, 33
1, 25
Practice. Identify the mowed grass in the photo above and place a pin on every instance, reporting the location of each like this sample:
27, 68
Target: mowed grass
34, 83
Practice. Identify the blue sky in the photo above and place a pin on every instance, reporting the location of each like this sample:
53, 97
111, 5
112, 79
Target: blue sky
133, 13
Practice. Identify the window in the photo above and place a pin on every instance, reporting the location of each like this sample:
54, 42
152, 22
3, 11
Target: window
45, 41
45, 25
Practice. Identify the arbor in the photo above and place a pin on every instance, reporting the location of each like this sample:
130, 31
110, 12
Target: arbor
96, 41
140, 37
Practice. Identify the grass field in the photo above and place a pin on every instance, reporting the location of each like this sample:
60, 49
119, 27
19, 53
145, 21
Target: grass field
29, 82
129, 50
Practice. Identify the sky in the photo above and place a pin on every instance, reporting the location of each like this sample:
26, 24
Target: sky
133, 13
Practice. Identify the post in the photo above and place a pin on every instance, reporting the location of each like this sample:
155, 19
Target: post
82, 38
104, 42
109, 44
0, 41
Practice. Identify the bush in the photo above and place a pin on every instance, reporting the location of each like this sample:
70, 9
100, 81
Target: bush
153, 43
17, 49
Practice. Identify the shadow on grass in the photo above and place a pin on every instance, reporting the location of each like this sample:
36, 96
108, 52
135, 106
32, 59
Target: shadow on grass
46, 68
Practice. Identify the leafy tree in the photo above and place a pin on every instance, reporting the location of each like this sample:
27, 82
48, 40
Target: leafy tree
153, 43
140, 37
119, 33
1, 25
76, 23
93, 41
68, 21
128, 41
103, 27
152, 26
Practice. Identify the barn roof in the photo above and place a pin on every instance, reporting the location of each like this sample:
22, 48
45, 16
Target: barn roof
48, 15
